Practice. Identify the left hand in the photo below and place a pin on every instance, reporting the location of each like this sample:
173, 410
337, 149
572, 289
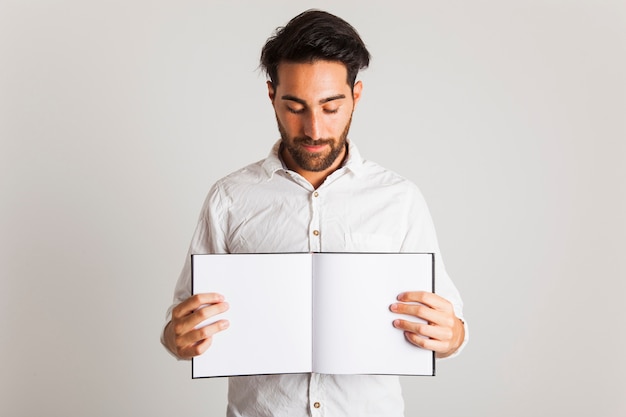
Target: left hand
442, 333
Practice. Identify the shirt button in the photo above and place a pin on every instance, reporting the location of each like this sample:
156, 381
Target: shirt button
316, 194
317, 405
316, 232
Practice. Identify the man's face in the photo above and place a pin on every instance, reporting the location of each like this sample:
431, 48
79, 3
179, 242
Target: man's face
313, 104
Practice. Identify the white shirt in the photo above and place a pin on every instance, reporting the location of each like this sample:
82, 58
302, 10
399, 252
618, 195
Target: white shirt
361, 207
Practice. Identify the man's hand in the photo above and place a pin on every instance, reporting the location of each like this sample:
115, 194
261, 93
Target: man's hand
182, 337
442, 333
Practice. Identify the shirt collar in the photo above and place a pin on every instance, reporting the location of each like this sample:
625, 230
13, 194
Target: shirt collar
274, 162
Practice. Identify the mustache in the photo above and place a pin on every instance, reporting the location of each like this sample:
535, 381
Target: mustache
306, 140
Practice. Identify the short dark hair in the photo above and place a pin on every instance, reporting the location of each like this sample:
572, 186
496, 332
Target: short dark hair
315, 35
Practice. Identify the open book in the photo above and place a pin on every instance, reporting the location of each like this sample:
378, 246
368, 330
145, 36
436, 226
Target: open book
312, 312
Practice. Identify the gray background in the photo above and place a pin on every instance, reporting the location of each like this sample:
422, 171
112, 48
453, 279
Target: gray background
116, 117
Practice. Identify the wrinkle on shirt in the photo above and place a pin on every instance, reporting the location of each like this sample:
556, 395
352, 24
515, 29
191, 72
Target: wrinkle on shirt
362, 207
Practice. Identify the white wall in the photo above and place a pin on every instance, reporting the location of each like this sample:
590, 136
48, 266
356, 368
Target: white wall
116, 117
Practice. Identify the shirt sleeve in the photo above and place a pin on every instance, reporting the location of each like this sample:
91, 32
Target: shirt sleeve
209, 237
421, 236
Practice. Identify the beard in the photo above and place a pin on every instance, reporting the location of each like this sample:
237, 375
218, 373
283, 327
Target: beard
313, 161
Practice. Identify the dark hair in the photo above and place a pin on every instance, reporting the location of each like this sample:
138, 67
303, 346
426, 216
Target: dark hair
315, 35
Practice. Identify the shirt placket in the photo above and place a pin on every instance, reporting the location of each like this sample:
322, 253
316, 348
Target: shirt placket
315, 232
317, 396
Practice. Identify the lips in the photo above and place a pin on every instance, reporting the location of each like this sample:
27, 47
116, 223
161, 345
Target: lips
313, 145
314, 148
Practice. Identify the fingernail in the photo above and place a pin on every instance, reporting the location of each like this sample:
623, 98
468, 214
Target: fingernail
224, 324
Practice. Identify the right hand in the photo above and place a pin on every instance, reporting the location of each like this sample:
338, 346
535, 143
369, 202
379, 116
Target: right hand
182, 337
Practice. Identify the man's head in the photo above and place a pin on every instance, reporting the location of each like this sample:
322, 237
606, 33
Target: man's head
315, 35
312, 64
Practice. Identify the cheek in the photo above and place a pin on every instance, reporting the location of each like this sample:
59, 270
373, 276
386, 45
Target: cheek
291, 125
339, 125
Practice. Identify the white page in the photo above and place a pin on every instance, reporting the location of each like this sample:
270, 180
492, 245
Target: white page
353, 331
270, 313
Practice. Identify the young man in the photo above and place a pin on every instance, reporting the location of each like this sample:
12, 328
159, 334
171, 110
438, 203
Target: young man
314, 193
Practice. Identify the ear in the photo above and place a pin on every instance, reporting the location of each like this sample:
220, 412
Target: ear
271, 91
356, 91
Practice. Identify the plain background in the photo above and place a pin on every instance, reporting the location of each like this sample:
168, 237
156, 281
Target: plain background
117, 116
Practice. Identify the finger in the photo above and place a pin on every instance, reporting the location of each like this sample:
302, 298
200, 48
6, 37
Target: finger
189, 322
426, 343
413, 332
443, 334
205, 332
205, 312
196, 342
421, 311
195, 350
194, 302
428, 298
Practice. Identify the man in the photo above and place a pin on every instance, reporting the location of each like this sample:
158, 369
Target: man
314, 193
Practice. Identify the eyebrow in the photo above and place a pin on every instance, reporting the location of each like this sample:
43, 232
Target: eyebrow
289, 97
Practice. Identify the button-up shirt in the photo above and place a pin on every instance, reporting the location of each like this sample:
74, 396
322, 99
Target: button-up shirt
360, 207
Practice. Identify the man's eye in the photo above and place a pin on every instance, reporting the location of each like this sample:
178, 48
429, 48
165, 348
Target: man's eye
331, 111
295, 111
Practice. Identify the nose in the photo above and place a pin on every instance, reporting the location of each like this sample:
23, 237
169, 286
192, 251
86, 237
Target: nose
312, 126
